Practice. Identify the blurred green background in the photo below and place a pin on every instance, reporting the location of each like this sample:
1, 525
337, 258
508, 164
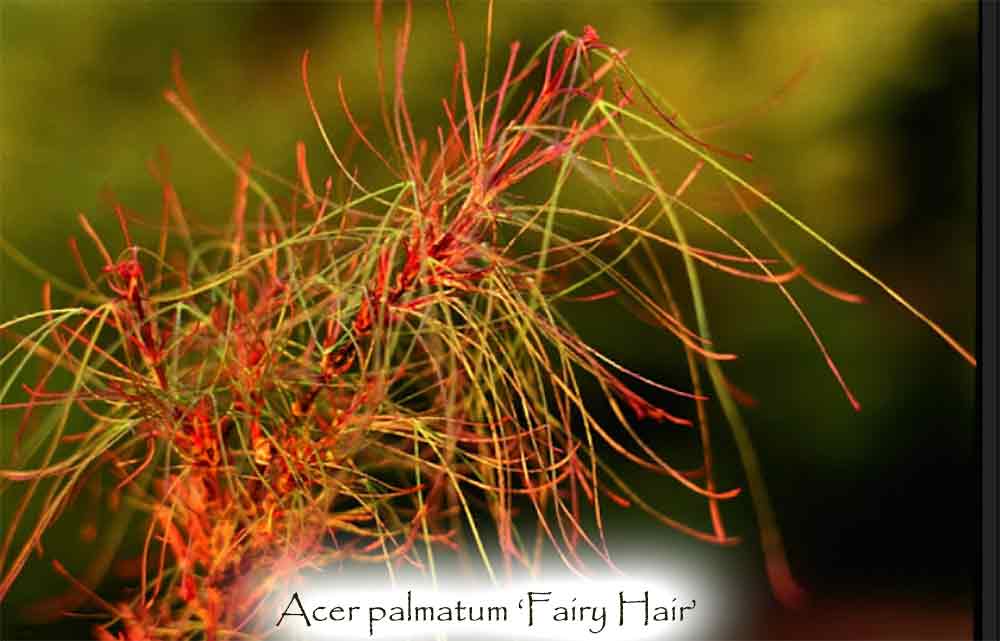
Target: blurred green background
875, 148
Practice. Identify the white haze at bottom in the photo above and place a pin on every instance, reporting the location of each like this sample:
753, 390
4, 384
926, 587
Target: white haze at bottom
673, 602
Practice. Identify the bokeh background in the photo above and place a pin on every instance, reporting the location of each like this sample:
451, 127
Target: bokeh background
874, 146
